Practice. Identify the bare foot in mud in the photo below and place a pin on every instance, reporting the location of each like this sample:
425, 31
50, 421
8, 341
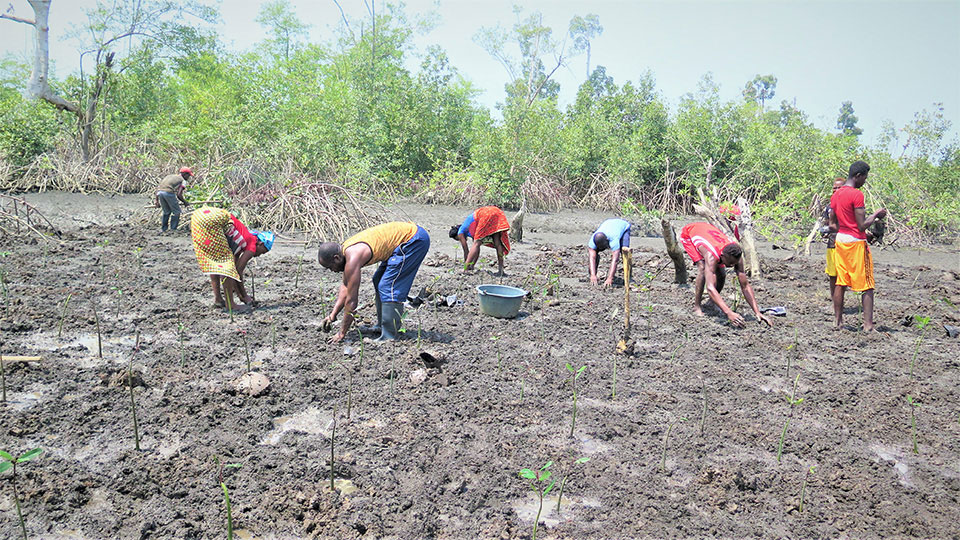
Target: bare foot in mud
219, 305
698, 312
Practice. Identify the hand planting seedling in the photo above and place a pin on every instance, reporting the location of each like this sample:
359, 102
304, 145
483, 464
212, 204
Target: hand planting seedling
914, 404
792, 400
666, 438
226, 494
574, 375
63, 315
922, 323
564, 482
803, 487
538, 484
9, 462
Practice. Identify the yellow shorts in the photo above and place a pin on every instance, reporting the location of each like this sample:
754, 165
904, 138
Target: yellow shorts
831, 262
854, 265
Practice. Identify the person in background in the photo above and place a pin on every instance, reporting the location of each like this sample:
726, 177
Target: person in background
488, 226
400, 249
169, 196
831, 238
223, 246
712, 252
612, 234
852, 257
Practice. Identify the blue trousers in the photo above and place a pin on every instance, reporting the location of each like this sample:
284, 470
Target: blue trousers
394, 278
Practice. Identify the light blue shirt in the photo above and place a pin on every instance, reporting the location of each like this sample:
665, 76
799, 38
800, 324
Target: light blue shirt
613, 229
465, 228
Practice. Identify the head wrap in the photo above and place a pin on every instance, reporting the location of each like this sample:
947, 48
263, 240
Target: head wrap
266, 237
186, 170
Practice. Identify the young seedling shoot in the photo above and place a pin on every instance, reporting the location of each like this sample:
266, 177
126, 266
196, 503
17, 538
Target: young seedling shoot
496, 341
574, 375
703, 413
63, 316
226, 494
96, 320
333, 437
9, 462
538, 484
227, 296
133, 406
922, 323
296, 281
792, 400
3, 381
914, 404
564, 482
273, 334
137, 254
682, 343
246, 348
181, 329
796, 350
119, 293
803, 487
666, 440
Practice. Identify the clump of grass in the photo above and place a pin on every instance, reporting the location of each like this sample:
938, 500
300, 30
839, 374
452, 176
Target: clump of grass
792, 400
574, 375
10, 462
914, 404
922, 323
564, 482
63, 315
538, 484
803, 487
666, 439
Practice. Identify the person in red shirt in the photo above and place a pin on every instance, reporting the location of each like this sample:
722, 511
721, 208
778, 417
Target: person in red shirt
712, 252
852, 258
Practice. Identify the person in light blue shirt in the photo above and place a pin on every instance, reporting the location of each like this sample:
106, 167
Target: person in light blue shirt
612, 234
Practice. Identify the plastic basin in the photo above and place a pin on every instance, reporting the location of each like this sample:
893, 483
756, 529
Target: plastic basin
500, 301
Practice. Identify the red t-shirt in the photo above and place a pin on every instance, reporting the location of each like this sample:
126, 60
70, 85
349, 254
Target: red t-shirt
239, 237
843, 202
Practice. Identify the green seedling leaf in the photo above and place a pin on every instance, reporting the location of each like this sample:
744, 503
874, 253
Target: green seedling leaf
233, 466
569, 368
5, 465
579, 371
550, 487
545, 467
528, 474
6, 456
30, 455
545, 475
582, 460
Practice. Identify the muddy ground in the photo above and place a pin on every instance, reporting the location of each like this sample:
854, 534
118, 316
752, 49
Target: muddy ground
435, 452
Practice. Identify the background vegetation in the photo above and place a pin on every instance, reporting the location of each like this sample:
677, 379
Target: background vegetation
348, 111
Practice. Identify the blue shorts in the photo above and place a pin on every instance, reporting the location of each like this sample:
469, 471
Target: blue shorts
394, 277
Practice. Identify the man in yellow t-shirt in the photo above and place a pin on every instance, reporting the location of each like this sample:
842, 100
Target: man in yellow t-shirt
399, 248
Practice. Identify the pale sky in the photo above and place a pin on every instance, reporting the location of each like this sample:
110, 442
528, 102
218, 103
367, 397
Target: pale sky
890, 58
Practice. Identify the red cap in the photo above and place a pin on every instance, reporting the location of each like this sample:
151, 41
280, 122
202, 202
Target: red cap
186, 170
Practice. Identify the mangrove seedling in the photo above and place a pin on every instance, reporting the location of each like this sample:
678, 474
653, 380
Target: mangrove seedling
133, 406
3, 288
496, 341
136, 254
3, 381
666, 439
922, 323
9, 462
613, 384
296, 281
538, 484
96, 321
574, 375
333, 436
914, 403
226, 494
803, 487
564, 482
119, 292
792, 400
703, 413
63, 315
246, 348
796, 350
180, 331
273, 334
682, 343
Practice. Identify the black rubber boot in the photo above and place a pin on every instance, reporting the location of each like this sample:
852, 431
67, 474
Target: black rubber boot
391, 321
374, 329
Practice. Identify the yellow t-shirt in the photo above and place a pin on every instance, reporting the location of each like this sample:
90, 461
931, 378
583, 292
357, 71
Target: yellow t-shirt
383, 239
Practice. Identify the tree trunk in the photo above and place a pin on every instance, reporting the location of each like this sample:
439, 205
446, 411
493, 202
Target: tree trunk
751, 257
675, 252
39, 86
516, 227
86, 130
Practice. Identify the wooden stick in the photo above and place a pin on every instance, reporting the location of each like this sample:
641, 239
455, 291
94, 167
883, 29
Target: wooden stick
627, 255
21, 358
